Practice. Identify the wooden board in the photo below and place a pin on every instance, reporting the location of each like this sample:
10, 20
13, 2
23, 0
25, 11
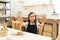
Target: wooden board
48, 28
47, 34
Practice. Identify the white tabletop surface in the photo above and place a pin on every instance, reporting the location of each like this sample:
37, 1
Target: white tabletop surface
25, 36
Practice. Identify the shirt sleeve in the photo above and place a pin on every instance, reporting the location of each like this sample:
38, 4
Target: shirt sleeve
25, 24
38, 25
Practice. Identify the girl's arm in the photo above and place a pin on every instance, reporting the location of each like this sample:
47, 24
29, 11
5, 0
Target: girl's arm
25, 25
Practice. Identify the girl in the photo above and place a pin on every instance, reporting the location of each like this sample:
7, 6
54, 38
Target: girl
32, 24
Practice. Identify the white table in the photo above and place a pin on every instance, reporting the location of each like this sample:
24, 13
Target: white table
25, 36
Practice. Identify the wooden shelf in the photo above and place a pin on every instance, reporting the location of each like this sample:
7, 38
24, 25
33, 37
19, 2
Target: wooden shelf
4, 9
4, 2
4, 6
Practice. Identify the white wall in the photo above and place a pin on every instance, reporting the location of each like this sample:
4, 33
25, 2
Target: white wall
17, 6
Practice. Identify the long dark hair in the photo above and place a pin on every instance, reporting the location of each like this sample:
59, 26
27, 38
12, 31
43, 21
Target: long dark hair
29, 16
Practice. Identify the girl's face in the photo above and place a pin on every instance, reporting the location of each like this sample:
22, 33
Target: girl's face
32, 18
